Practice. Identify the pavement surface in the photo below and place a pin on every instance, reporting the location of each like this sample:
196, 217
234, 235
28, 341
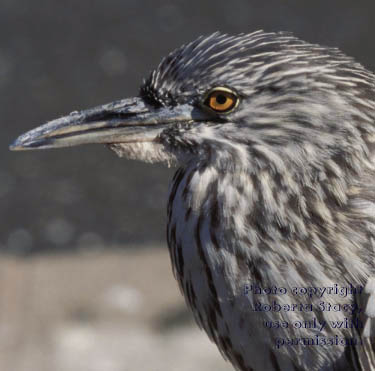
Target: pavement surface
98, 311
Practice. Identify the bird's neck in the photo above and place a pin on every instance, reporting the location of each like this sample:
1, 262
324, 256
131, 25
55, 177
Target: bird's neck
264, 216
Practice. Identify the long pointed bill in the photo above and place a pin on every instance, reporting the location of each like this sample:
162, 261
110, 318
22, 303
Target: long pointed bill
126, 121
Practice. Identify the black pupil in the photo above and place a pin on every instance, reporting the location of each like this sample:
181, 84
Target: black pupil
221, 99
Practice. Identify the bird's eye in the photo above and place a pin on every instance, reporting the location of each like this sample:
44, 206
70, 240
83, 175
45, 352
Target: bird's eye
221, 99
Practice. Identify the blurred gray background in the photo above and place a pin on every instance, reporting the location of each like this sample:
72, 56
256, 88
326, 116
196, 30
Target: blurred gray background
59, 56
107, 301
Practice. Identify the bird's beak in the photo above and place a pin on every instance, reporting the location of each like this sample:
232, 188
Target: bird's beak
126, 121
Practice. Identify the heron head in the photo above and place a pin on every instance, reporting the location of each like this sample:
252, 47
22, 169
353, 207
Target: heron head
261, 97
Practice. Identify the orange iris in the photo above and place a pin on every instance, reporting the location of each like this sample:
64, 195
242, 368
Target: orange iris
221, 100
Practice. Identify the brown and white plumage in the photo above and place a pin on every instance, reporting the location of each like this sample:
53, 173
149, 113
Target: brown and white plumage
276, 192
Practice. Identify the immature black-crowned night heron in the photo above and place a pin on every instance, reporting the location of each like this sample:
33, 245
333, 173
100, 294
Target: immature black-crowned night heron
271, 213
